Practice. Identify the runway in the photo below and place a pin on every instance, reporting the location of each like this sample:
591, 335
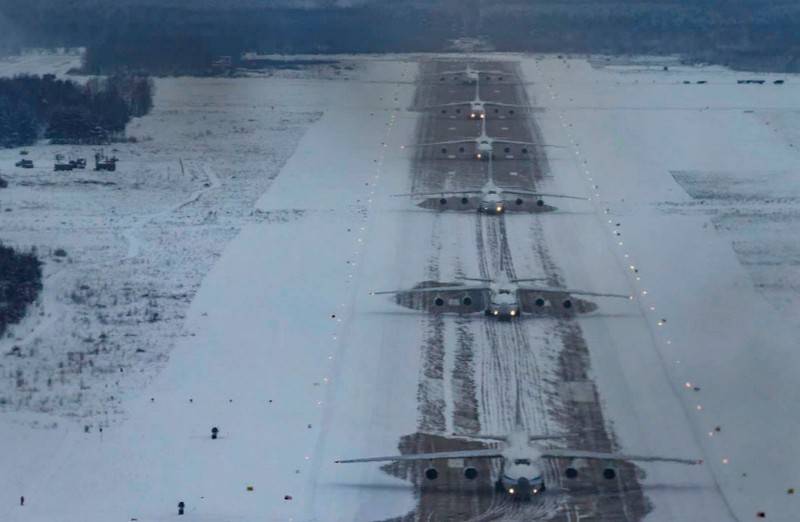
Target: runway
482, 376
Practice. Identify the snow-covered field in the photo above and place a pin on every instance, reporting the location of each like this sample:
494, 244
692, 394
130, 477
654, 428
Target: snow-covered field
254, 353
696, 209
252, 217
138, 241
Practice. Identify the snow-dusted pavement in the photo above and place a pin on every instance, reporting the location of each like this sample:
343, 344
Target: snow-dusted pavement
284, 350
684, 177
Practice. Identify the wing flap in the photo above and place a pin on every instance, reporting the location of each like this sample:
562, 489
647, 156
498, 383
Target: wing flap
592, 455
442, 455
546, 290
436, 143
459, 288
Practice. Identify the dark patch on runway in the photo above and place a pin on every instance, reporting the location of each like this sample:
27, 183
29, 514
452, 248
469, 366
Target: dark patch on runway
465, 400
535, 374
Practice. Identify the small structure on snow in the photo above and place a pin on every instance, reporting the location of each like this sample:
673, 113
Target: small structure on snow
103, 163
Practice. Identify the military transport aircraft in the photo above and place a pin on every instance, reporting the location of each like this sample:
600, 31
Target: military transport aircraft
478, 107
505, 296
471, 75
484, 144
491, 199
523, 461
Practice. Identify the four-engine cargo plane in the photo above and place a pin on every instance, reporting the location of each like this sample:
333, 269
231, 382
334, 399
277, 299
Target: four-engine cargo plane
491, 199
523, 461
471, 75
523, 457
478, 107
484, 144
505, 296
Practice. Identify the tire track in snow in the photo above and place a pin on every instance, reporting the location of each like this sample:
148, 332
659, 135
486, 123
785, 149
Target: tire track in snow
132, 233
520, 368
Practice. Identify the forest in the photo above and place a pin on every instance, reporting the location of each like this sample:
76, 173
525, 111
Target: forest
168, 37
63, 111
20, 284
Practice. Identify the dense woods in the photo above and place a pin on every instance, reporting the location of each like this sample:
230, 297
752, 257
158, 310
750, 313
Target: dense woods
67, 112
171, 37
20, 284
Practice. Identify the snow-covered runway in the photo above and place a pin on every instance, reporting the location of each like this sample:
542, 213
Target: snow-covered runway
284, 350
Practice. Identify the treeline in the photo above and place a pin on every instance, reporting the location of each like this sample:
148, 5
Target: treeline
173, 40
63, 111
747, 33
20, 284
163, 37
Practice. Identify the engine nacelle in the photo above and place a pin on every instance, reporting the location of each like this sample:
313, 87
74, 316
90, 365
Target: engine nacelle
466, 300
539, 202
571, 473
609, 473
431, 474
438, 301
464, 201
443, 201
470, 473
519, 201
567, 304
540, 302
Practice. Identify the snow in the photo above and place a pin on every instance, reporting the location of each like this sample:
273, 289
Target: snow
262, 231
139, 240
38, 61
731, 312
259, 351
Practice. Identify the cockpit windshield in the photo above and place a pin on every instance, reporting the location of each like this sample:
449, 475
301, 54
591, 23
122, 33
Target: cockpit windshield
522, 462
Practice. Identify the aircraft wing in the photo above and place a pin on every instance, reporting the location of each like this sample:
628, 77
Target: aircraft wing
569, 291
441, 192
514, 105
450, 142
593, 455
458, 288
490, 453
512, 142
515, 142
542, 194
453, 104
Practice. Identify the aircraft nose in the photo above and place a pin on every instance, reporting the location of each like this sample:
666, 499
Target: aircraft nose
523, 484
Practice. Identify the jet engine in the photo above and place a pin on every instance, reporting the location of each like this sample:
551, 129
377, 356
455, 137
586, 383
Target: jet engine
571, 473
466, 300
470, 473
431, 474
609, 473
